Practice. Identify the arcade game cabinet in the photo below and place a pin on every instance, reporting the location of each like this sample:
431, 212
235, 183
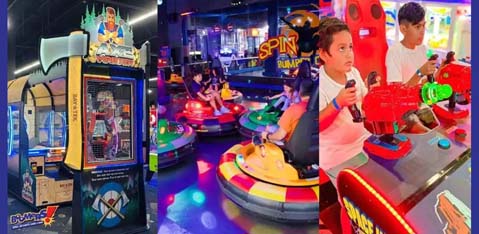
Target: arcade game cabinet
412, 181
36, 139
104, 101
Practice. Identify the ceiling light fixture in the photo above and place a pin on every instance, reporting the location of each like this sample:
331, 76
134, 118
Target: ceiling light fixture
27, 67
143, 17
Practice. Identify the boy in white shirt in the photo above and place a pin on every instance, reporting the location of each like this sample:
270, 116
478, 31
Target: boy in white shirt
340, 138
404, 58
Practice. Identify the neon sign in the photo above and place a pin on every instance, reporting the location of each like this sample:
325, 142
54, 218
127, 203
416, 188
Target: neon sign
286, 45
114, 54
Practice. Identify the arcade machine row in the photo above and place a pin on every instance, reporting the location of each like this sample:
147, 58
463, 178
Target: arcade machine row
36, 140
448, 26
104, 96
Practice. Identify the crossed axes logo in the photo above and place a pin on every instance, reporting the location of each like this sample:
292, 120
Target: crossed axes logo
109, 205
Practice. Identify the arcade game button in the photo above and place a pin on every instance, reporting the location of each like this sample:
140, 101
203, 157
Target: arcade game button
444, 144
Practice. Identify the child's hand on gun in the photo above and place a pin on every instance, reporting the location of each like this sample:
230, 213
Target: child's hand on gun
346, 97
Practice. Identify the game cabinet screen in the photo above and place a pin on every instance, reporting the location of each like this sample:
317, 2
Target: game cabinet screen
108, 117
13, 140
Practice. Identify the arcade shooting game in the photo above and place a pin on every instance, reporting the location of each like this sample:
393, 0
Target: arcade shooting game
458, 75
104, 93
409, 181
37, 137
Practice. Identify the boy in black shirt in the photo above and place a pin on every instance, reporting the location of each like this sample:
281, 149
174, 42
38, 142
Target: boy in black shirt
213, 97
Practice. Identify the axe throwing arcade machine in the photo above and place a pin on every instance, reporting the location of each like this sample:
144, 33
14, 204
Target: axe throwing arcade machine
104, 92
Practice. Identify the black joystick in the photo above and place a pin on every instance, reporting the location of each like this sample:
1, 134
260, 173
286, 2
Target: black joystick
355, 112
453, 98
430, 77
449, 57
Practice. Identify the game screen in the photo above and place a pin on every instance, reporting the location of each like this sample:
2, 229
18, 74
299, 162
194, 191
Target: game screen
51, 128
109, 116
438, 24
13, 137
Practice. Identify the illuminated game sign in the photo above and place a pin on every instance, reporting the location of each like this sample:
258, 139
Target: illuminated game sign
359, 219
286, 63
111, 38
297, 41
113, 54
368, 210
285, 45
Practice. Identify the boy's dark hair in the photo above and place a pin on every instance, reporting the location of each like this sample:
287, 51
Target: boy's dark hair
306, 88
328, 26
195, 71
411, 12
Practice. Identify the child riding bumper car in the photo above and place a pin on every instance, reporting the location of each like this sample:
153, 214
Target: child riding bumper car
277, 182
206, 112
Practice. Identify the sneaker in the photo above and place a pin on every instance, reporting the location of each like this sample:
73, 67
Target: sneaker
224, 110
217, 113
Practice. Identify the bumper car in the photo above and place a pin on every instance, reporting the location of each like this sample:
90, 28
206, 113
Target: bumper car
279, 183
174, 143
199, 115
256, 121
